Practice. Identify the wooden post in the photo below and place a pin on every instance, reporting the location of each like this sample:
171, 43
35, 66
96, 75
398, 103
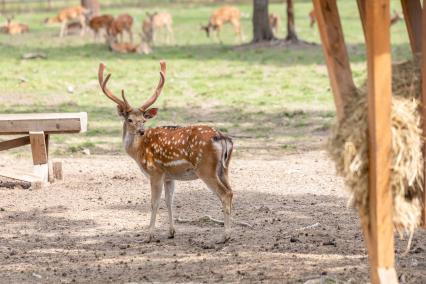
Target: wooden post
335, 53
39, 151
380, 227
423, 67
412, 10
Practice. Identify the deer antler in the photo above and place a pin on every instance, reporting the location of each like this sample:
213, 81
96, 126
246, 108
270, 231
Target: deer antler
159, 88
124, 105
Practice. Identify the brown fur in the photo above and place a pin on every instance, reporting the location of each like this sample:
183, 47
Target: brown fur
156, 22
120, 24
274, 22
67, 15
223, 15
97, 23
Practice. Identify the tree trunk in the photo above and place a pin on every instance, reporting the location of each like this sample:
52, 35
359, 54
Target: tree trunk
261, 28
91, 5
291, 28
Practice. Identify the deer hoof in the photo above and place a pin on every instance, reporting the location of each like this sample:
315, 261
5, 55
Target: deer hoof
172, 234
224, 239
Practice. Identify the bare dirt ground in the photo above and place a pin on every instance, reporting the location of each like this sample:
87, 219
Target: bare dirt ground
90, 228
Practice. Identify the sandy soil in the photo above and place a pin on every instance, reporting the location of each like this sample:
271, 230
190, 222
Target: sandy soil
91, 228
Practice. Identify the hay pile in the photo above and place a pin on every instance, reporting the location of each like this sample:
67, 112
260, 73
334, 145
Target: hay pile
348, 147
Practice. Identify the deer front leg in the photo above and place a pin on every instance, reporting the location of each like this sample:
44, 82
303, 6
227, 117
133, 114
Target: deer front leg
169, 187
156, 189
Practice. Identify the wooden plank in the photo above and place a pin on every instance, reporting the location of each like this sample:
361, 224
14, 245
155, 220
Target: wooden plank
424, 107
412, 10
381, 235
335, 52
19, 175
14, 143
46, 122
38, 148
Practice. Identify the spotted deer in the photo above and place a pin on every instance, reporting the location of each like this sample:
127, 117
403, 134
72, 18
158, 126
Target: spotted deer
123, 22
225, 14
156, 22
166, 154
67, 15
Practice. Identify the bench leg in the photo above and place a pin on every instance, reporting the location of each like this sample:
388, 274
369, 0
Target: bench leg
40, 157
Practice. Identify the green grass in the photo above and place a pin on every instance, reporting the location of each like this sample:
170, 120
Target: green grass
279, 95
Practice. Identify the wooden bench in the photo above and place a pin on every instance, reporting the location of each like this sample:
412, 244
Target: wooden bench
37, 127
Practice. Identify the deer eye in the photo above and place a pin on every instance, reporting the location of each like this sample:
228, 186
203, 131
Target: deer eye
129, 120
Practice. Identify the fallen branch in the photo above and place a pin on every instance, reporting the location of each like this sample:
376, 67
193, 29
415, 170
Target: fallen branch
287, 234
207, 218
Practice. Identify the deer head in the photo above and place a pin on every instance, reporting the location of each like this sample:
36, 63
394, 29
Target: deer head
134, 119
207, 29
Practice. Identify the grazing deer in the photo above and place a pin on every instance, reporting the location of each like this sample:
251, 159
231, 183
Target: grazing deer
127, 47
123, 22
14, 28
156, 22
98, 23
166, 154
67, 15
225, 14
274, 22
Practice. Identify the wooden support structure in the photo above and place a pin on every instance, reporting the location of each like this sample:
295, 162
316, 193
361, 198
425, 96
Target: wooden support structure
335, 52
423, 66
380, 229
38, 128
375, 19
412, 10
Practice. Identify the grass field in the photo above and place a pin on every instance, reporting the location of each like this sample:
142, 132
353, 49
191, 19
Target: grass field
277, 98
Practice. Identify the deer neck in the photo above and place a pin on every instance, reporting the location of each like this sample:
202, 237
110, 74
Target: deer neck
133, 143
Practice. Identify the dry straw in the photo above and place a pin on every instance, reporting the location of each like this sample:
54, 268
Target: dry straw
348, 147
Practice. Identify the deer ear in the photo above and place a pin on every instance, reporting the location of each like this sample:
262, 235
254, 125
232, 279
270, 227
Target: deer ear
150, 113
121, 111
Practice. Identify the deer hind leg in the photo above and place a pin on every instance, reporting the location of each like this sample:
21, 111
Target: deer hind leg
215, 175
237, 29
169, 187
156, 189
63, 27
171, 34
129, 31
83, 25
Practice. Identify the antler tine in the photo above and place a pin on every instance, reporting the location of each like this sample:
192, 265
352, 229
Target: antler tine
129, 108
103, 83
159, 88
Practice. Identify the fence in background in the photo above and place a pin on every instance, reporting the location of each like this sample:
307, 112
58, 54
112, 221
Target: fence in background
16, 6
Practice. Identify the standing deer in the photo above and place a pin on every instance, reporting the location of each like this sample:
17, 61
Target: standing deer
166, 154
156, 22
98, 23
123, 22
67, 15
225, 14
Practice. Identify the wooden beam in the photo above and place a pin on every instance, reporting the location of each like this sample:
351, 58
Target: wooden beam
423, 110
34, 180
38, 147
412, 10
14, 143
381, 249
46, 122
335, 52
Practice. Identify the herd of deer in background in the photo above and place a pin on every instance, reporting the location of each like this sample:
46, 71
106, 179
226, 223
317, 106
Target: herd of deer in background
78, 20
